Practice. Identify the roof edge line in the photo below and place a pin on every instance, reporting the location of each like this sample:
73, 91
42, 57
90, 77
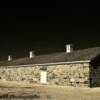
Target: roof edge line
56, 63
71, 62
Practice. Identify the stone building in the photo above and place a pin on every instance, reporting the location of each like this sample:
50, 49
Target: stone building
70, 68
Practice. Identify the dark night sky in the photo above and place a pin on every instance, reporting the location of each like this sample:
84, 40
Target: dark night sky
47, 26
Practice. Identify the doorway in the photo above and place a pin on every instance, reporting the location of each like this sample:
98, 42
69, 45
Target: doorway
43, 77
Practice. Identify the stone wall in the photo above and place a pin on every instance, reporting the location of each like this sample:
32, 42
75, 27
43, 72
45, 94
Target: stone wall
30, 74
69, 74
66, 74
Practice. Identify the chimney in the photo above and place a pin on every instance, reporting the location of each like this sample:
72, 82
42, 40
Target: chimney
31, 54
69, 48
9, 58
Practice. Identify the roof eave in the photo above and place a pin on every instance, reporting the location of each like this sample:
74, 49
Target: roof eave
56, 63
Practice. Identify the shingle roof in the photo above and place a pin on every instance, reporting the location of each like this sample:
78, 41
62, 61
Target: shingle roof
77, 55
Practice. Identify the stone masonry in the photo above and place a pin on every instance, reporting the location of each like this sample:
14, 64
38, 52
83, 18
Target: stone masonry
75, 74
69, 74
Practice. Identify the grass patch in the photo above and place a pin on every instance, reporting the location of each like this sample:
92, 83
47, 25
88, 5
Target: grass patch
48, 92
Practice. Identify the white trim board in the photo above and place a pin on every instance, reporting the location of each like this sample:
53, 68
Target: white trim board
56, 63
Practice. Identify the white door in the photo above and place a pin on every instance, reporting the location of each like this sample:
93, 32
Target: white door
43, 77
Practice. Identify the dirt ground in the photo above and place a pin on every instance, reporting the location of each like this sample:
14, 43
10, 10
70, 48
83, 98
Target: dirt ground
27, 91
